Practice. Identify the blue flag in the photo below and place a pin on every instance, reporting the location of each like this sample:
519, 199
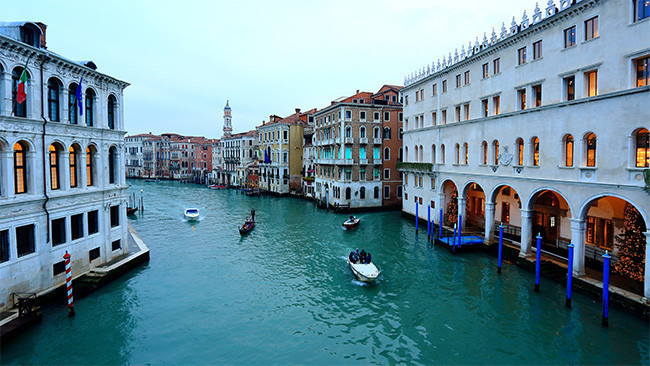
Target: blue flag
79, 97
266, 157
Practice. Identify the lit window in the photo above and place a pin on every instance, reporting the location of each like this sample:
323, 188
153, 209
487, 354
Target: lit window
466, 111
434, 89
569, 37
54, 167
73, 166
484, 107
642, 70
484, 153
20, 168
537, 95
521, 99
570, 87
521, 55
520, 151
592, 83
496, 101
643, 148
591, 149
641, 9
535, 143
568, 151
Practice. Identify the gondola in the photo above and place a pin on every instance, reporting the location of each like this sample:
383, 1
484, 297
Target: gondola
351, 223
247, 227
131, 211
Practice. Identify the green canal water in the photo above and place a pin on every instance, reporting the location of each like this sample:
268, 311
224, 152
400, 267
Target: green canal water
284, 295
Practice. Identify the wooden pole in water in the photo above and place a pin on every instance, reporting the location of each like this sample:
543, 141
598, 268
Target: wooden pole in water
416, 217
440, 225
68, 284
538, 261
500, 247
569, 277
606, 258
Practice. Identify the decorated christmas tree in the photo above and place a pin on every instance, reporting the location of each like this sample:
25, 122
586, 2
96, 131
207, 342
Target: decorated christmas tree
631, 245
451, 216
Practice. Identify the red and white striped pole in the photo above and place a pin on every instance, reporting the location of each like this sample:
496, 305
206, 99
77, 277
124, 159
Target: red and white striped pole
68, 283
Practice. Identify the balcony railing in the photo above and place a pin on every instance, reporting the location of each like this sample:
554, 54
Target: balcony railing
377, 161
377, 141
349, 140
363, 140
363, 161
419, 167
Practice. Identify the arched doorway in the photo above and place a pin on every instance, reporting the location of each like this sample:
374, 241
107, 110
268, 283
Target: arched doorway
507, 212
615, 225
550, 215
474, 208
450, 203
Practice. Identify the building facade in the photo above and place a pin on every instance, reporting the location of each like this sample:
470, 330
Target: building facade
538, 129
349, 136
133, 155
62, 178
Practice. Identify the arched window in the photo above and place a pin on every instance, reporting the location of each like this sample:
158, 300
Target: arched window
406, 153
348, 193
348, 132
421, 154
465, 154
111, 112
400, 155
484, 153
376, 133
401, 133
54, 167
442, 154
19, 82
456, 153
433, 154
362, 132
362, 193
590, 143
53, 104
73, 104
520, 151
386, 153
348, 152
20, 168
642, 148
535, 150
495, 146
90, 97
386, 132
74, 171
568, 150
416, 154
90, 168
376, 192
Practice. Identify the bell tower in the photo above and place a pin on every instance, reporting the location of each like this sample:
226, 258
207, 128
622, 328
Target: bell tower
227, 124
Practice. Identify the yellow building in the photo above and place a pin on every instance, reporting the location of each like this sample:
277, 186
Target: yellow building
280, 142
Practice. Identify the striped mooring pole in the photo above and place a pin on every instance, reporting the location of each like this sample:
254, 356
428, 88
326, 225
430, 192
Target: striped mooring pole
606, 258
538, 261
569, 276
68, 283
500, 247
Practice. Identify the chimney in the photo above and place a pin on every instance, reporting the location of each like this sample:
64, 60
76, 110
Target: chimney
263, 122
270, 118
298, 111
357, 91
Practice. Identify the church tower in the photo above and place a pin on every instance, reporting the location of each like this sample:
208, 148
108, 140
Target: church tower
227, 117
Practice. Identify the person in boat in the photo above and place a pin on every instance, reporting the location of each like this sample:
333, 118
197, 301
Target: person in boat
368, 260
252, 214
362, 256
353, 257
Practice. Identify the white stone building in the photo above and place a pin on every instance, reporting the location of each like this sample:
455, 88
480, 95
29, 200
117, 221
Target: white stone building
134, 159
542, 127
62, 179
239, 152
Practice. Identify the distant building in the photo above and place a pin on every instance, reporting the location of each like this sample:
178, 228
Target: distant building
133, 155
239, 152
309, 154
280, 142
62, 182
358, 140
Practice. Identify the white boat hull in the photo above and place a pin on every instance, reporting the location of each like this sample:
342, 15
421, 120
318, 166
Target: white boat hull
364, 272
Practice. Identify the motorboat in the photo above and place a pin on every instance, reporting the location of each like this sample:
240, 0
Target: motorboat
247, 227
191, 213
366, 272
351, 223
216, 186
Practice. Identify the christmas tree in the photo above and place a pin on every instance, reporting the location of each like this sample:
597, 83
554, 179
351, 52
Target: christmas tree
451, 216
631, 245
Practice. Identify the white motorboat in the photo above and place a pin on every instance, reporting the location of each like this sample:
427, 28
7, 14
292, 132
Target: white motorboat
191, 213
366, 272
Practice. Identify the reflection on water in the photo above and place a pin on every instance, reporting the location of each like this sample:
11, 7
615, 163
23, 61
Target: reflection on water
285, 294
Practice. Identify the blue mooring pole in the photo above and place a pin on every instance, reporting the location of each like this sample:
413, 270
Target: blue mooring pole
440, 225
460, 229
538, 261
500, 247
606, 258
569, 276
453, 240
417, 218
428, 221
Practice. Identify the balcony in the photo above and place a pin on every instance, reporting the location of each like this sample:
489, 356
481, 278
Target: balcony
415, 167
377, 161
363, 161
363, 140
349, 140
377, 141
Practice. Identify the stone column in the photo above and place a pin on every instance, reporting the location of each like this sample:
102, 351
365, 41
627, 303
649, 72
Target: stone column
489, 221
578, 228
64, 170
81, 165
5, 103
646, 274
526, 232
65, 118
461, 211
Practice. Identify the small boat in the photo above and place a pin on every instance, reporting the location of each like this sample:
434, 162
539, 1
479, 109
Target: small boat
351, 223
366, 272
191, 213
214, 186
152, 180
131, 211
247, 227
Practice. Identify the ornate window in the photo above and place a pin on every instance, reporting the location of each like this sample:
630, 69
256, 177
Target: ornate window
520, 151
386, 132
73, 166
433, 154
484, 153
465, 154
20, 168
495, 146
18, 109
53, 91
90, 97
642, 148
362, 132
89, 165
73, 104
568, 150
590, 140
386, 153
362, 193
111, 112
535, 150
456, 154
54, 167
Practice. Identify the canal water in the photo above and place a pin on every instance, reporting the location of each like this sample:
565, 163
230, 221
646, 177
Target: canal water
284, 295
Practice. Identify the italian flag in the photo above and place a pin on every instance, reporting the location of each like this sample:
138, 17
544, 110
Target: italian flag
21, 96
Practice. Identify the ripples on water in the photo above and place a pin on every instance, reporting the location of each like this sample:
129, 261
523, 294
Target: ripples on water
284, 294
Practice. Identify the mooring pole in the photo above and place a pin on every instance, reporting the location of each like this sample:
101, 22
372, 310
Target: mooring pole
416, 217
68, 283
453, 240
428, 221
569, 276
440, 225
460, 229
538, 261
141, 201
500, 247
606, 258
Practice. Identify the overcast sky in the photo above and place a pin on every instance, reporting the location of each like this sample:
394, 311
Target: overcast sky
184, 59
